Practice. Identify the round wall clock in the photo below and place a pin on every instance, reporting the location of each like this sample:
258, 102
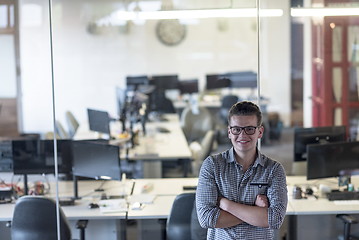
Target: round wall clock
170, 31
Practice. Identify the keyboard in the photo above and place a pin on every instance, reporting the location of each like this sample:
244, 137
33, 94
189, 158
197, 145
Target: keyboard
333, 196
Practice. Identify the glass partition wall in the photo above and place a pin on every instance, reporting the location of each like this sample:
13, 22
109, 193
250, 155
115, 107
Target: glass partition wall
306, 68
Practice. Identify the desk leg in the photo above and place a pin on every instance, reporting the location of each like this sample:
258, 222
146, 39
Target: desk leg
186, 166
292, 227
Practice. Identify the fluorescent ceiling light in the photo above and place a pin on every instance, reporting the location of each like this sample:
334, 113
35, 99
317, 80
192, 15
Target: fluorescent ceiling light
322, 12
119, 16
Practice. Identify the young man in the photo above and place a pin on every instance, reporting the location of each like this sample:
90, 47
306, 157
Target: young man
241, 193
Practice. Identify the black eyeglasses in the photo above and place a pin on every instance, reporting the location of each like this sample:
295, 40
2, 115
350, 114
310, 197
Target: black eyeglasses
249, 130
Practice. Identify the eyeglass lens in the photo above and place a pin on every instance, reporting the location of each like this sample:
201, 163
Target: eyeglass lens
249, 130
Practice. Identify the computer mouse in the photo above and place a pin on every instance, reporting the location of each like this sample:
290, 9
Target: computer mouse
93, 205
309, 191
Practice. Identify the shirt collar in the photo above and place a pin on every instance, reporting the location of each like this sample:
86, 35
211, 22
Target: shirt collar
259, 160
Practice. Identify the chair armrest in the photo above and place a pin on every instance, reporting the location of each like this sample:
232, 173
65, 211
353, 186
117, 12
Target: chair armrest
347, 218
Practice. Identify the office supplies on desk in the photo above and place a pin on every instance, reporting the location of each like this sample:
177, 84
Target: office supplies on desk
162, 130
93, 205
137, 206
112, 205
189, 187
67, 202
147, 188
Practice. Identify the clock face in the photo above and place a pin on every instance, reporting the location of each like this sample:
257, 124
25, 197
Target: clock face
170, 31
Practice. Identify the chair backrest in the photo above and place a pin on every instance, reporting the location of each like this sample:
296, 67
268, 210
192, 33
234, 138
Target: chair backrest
227, 103
195, 126
35, 218
60, 130
72, 123
207, 143
204, 151
182, 221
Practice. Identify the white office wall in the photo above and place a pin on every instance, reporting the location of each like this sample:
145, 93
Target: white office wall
7, 67
87, 67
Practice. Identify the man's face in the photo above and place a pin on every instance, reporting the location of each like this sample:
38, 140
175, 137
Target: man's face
244, 142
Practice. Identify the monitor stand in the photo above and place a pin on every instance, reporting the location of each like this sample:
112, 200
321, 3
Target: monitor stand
76, 187
26, 187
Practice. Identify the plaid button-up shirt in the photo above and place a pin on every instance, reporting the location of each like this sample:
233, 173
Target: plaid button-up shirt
221, 175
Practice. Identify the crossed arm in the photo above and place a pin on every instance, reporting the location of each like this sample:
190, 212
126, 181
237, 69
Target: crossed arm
233, 213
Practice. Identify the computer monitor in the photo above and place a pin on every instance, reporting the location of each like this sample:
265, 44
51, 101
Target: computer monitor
6, 162
37, 156
217, 81
99, 121
96, 160
315, 135
135, 81
327, 160
165, 82
245, 79
188, 86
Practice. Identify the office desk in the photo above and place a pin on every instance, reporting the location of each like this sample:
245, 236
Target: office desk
154, 147
317, 217
101, 225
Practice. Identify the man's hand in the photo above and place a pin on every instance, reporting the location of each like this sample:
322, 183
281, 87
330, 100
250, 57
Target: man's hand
261, 201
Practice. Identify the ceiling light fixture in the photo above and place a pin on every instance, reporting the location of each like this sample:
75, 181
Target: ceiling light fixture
322, 12
120, 16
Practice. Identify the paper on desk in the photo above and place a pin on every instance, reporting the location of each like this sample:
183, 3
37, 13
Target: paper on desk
113, 205
142, 198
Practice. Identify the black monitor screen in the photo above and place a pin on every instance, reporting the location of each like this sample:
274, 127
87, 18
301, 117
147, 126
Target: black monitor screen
188, 86
37, 156
136, 80
217, 81
245, 79
99, 121
327, 160
96, 160
164, 82
306, 136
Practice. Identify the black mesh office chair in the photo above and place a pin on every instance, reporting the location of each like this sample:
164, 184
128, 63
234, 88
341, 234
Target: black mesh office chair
182, 222
227, 102
35, 218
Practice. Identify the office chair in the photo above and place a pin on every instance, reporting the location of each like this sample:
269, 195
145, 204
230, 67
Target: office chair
72, 123
195, 126
348, 220
182, 222
201, 151
226, 104
60, 130
162, 104
35, 218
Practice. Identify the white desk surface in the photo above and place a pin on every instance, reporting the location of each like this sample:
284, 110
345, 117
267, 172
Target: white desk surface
164, 186
156, 145
167, 189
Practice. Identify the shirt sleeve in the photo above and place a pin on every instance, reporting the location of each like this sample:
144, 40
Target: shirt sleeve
278, 198
207, 195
